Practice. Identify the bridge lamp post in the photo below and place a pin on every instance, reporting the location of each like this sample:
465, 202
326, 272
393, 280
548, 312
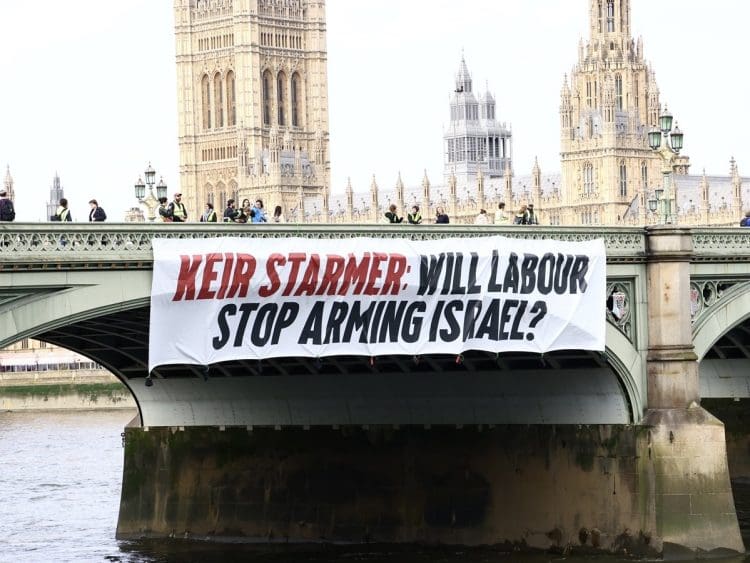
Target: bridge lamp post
667, 142
149, 200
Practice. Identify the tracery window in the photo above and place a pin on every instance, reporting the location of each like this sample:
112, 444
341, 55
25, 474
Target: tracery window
623, 180
295, 99
219, 100
206, 101
267, 91
588, 178
644, 175
281, 94
231, 100
618, 92
611, 16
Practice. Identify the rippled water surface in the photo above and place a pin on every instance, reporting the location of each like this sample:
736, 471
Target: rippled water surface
60, 491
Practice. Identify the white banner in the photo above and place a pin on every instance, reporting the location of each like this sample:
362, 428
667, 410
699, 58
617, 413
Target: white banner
214, 300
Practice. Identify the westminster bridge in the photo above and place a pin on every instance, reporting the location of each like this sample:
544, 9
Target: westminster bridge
678, 330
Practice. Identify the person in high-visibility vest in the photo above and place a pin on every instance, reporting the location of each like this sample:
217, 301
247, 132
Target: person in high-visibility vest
209, 215
177, 209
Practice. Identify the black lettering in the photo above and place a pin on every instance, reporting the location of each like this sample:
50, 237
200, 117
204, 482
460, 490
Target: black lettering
358, 320
451, 260
454, 330
578, 275
287, 316
430, 269
245, 309
489, 326
412, 326
263, 325
546, 274
511, 274
473, 310
312, 331
437, 315
505, 318
493, 286
335, 320
391, 325
473, 288
376, 316
226, 311
528, 273
562, 273
515, 334
457, 288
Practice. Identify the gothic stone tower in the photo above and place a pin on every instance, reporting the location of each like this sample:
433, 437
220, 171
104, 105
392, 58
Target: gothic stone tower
253, 102
606, 111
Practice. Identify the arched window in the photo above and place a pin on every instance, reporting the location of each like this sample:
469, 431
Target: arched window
295, 94
588, 178
231, 100
623, 180
601, 16
636, 92
218, 100
611, 16
618, 92
267, 100
644, 175
206, 101
280, 97
589, 93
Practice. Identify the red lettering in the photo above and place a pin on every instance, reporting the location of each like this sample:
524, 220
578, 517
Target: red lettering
310, 279
243, 272
226, 275
355, 273
375, 272
209, 275
186, 279
274, 260
296, 258
334, 270
396, 269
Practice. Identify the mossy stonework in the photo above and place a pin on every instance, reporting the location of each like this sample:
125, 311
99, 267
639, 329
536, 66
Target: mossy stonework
526, 486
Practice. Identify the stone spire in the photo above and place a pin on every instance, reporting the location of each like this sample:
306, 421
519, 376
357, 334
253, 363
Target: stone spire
400, 194
8, 183
480, 189
374, 205
425, 195
536, 183
705, 202
508, 186
609, 19
463, 78
349, 201
736, 188
55, 195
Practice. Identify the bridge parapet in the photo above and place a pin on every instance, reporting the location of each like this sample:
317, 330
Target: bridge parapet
39, 246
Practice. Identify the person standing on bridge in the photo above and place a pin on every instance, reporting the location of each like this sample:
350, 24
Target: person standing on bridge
415, 217
209, 215
230, 213
97, 214
746, 219
7, 212
177, 209
258, 213
63, 213
391, 215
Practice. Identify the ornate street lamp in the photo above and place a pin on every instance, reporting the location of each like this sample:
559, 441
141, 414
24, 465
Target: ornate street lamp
148, 199
668, 144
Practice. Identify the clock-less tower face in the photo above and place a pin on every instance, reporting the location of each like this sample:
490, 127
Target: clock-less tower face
608, 105
252, 90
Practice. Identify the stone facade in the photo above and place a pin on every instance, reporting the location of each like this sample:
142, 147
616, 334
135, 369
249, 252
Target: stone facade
252, 91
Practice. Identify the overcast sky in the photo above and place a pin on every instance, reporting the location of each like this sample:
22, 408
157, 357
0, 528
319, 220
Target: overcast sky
88, 86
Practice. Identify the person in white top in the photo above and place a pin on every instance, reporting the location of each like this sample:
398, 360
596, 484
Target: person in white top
501, 218
481, 219
278, 216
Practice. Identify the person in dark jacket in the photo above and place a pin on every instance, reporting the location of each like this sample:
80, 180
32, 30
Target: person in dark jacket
441, 218
392, 216
97, 214
746, 220
230, 213
7, 211
177, 209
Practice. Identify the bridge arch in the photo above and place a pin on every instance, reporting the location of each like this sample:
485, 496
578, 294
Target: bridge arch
104, 316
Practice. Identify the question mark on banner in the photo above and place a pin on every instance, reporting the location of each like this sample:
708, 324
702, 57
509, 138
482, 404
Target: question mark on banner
540, 310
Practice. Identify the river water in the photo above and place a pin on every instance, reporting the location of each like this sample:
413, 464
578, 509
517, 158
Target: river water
60, 479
